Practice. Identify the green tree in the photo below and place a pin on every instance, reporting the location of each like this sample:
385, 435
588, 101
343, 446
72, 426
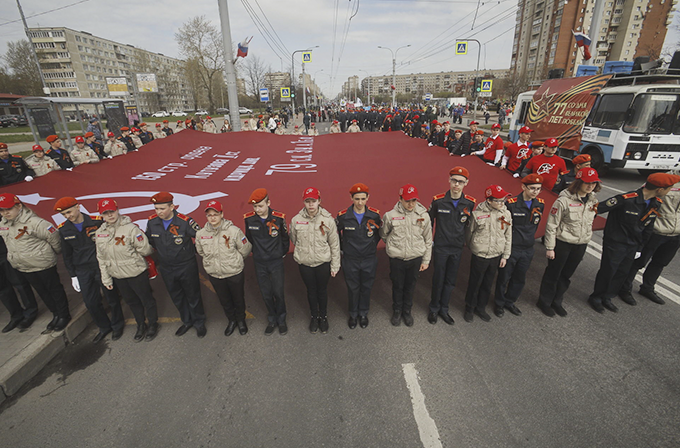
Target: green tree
21, 75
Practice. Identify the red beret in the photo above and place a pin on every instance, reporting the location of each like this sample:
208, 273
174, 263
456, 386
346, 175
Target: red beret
358, 188
51, 138
162, 198
142, 124
581, 158
65, 203
165, 121
460, 171
158, 125
257, 196
537, 143
8, 200
89, 134
3, 145
124, 128
458, 131
480, 132
663, 180
532, 179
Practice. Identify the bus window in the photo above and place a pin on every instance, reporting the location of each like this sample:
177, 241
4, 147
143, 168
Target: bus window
611, 111
653, 113
522, 119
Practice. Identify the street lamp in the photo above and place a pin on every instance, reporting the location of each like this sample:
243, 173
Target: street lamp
394, 72
292, 81
479, 52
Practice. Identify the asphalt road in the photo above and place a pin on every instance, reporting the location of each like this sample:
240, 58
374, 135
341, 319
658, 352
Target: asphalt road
586, 380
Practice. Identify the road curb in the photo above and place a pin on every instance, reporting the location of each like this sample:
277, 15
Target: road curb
31, 360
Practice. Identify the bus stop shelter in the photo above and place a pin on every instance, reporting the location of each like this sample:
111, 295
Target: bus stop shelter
44, 113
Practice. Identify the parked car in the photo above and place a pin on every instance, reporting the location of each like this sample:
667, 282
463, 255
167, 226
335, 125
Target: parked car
13, 121
146, 114
244, 110
201, 112
179, 113
161, 114
222, 110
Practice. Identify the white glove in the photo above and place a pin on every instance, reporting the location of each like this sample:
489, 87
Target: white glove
28, 178
490, 163
516, 175
462, 155
69, 169
638, 255
429, 144
75, 283
109, 157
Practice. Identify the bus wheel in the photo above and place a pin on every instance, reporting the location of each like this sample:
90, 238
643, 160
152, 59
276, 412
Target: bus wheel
597, 159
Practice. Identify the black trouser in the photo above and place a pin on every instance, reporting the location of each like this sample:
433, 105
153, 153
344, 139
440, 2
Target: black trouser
614, 268
50, 290
482, 273
404, 275
270, 277
359, 276
231, 292
660, 249
316, 280
184, 286
10, 278
555, 281
512, 277
136, 291
91, 286
444, 278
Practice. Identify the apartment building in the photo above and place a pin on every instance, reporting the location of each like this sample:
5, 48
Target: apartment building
77, 63
544, 37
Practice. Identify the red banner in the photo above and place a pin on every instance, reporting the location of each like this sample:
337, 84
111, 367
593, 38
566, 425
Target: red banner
560, 107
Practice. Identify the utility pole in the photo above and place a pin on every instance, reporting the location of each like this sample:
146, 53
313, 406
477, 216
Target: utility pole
230, 69
479, 52
394, 73
46, 90
292, 67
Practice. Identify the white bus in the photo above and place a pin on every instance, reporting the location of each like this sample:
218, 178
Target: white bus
631, 127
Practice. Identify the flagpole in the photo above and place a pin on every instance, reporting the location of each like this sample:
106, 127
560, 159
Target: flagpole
230, 68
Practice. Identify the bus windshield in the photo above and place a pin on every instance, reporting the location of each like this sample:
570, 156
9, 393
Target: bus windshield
653, 113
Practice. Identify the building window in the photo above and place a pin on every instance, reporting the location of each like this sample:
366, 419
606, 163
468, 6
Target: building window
627, 52
42, 45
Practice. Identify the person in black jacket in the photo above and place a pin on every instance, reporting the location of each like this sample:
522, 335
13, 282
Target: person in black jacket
171, 234
468, 138
80, 257
450, 214
266, 230
13, 168
126, 139
358, 227
60, 155
527, 211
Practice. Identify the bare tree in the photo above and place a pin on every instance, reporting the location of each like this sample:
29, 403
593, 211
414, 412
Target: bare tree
192, 70
254, 72
21, 76
509, 88
199, 40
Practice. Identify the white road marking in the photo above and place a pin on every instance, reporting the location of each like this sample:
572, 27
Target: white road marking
613, 189
595, 250
429, 435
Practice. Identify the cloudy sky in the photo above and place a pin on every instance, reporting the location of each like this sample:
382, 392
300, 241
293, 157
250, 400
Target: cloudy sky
348, 32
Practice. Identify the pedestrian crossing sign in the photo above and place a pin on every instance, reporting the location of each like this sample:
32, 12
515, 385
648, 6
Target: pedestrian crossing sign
461, 47
486, 85
285, 92
306, 57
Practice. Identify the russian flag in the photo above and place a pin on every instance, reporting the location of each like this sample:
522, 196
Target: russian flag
583, 41
243, 48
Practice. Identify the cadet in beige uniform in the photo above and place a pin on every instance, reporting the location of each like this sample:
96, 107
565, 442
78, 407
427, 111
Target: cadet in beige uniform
353, 128
313, 130
407, 232
82, 154
32, 248
134, 135
317, 252
121, 248
40, 164
567, 233
252, 122
224, 248
279, 129
158, 132
335, 128
113, 146
209, 125
489, 237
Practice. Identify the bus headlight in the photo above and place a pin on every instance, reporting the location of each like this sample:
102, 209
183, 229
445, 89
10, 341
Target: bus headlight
637, 155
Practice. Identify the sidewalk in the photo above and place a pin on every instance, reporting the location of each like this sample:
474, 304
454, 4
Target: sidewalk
24, 354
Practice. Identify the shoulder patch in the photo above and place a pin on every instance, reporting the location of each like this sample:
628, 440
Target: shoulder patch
512, 200
183, 217
470, 198
540, 200
61, 225
153, 216
96, 217
342, 212
17, 155
630, 195
278, 214
438, 196
374, 210
248, 215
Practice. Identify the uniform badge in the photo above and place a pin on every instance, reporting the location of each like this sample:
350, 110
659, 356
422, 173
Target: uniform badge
463, 218
537, 219
612, 201
178, 241
370, 232
274, 233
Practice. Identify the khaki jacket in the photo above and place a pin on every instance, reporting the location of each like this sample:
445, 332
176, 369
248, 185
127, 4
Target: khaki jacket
41, 166
280, 131
114, 148
298, 131
32, 243
570, 220
253, 124
668, 221
353, 128
223, 249
313, 131
159, 134
81, 156
407, 235
335, 129
210, 127
316, 239
489, 234
137, 141
121, 249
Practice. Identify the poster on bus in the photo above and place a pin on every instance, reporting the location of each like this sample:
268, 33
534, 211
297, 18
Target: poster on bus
560, 107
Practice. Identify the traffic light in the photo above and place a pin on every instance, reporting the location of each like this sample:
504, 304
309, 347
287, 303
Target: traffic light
292, 93
478, 84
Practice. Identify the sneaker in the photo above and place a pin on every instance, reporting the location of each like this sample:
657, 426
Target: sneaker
314, 325
396, 318
270, 329
323, 324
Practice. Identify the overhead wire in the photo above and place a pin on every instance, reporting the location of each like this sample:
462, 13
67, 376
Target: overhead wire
46, 12
266, 35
